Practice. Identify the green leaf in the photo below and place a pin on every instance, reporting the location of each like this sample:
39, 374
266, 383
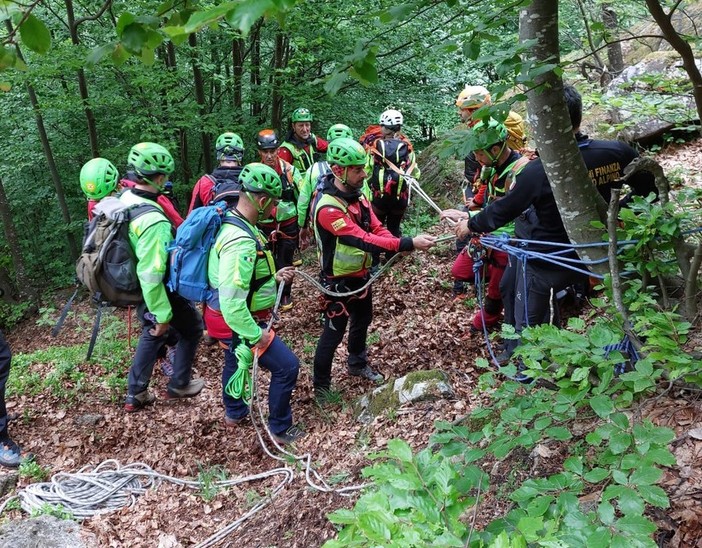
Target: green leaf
659, 455
596, 475
98, 53
602, 405
620, 477
35, 35
471, 48
601, 537
400, 449
133, 38
539, 505
9, 59
619, 443
124, 21
646, 475
559, 433
621, 420
247, 13
654, 495
120, 55
343, 516
630, 502
574, 464
8, 9
636, 525
605, 511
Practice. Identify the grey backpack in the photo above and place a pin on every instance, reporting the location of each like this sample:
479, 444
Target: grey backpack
107, 265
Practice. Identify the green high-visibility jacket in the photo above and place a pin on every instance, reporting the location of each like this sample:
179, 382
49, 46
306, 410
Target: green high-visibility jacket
149, 235
244, 278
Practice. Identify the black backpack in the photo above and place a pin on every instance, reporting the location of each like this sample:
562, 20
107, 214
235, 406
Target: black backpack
388, 155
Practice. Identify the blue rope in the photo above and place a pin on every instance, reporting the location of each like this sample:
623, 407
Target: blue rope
625, 347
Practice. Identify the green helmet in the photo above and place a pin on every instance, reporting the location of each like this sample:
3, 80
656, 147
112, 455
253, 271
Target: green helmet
485, 136
346, 152
301, 115
150, 159
258, 177
339, 130
229, 146
98, 178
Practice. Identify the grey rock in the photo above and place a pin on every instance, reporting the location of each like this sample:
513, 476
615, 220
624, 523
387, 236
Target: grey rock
41, 532
417, 386
637, 90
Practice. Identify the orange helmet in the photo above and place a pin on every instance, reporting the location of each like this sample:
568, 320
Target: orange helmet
473, 97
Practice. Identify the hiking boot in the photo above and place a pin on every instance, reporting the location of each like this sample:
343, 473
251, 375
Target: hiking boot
11, 455
291, 435
231, 422
367, 373
134, 402
167, 362
503, 357
190, 390
286, 303
209, 341
297, 258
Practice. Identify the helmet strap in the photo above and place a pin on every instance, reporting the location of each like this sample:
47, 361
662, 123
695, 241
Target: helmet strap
496, 158
255, 203
154, 184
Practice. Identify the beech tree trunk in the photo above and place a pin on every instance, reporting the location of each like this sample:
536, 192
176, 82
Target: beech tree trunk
615, 58
255, 76
8, 290
278, 64
200, 98
238, 46
49, 156
83, 84
577, 198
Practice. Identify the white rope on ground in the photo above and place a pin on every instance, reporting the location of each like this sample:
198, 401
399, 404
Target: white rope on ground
109, 486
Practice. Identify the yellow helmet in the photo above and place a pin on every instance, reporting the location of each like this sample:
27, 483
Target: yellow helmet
473, 97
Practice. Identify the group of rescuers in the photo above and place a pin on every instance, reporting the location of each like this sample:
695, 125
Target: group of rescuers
352, 204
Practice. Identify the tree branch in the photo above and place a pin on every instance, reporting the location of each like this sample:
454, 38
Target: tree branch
102, 9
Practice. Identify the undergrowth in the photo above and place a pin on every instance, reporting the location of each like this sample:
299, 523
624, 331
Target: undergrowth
605, 460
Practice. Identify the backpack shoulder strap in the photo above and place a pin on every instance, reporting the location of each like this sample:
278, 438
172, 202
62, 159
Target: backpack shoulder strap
239, 222
138, 210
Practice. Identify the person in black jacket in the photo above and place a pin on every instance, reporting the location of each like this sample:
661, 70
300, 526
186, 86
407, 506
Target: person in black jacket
10, 453
527, 289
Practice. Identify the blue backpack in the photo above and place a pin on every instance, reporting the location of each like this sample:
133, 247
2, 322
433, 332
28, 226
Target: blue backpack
190, 251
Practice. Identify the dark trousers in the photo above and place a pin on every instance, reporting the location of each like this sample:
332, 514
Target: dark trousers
284, 367
283, 245
528, 297
5, 360
186, 326
338, 311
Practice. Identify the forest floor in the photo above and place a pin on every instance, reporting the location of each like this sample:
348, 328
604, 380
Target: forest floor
417, 325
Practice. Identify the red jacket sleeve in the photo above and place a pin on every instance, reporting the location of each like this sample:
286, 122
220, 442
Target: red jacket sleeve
170, 211
341, 225
322, 145
285, 154
201, 192
479, 198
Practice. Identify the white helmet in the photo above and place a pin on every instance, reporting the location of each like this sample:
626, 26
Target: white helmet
391, 118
